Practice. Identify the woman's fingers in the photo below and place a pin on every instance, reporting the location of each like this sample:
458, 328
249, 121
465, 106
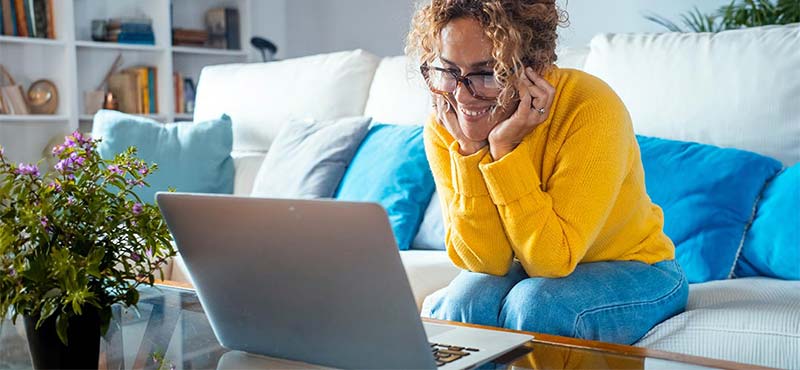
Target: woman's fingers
542, 90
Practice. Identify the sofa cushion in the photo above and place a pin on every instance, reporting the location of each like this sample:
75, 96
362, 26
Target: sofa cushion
308, 159
428, 271
398, 93
261, 97
390, 168
751, 320
707, 194
191, 157
730, 89
772, 245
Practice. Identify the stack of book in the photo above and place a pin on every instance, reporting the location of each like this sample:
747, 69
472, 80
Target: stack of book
136, 90
130, 31
223, 28
27, 18
185, 37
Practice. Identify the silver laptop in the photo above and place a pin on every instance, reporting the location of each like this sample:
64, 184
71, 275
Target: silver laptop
316, 281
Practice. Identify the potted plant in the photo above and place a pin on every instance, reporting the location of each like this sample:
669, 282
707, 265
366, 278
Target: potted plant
737, 14
73, 242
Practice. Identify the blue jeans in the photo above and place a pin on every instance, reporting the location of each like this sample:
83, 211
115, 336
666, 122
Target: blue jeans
615, 301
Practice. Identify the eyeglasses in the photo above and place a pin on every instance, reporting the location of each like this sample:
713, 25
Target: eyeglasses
481, 85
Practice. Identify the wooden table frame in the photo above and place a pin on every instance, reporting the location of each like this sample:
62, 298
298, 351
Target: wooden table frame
611, 348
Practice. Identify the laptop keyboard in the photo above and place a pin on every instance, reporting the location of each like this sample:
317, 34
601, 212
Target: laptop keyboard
445, 353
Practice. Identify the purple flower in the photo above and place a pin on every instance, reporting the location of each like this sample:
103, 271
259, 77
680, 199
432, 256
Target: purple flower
136, 257
12, 272
43, 220
133, 182
58, 149
27, 169
144, 170
55, 186
149, 253
2, 151
69, 142
114, 169
70, 200
137, 209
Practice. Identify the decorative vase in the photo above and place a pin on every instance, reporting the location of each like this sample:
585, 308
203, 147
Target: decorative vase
82, 351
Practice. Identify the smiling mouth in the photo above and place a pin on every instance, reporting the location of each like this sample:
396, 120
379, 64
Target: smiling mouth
475, 113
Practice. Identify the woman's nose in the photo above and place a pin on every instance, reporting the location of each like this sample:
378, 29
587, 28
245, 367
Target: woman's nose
463, 95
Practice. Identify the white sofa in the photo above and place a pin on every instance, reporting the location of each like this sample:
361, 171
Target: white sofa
734, 89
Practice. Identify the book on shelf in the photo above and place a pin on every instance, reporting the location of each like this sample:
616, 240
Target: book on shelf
177, 87
223, 28
136, 90
186, 37
130, 31
27, 18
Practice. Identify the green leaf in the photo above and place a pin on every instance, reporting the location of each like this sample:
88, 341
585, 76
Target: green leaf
62, 324
52, 293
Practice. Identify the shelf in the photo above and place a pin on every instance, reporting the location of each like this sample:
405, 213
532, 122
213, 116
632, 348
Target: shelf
117, 46
33, 118
157, 117
208, 51
184, 116
31, 41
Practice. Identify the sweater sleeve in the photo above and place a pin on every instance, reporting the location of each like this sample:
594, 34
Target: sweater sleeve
474, 234
551, 230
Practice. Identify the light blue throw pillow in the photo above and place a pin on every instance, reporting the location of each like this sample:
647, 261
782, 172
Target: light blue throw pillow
390, 168
707, 194
772, 245
191, 157
308, 159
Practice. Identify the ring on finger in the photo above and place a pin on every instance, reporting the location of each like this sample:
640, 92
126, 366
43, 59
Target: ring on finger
540, 110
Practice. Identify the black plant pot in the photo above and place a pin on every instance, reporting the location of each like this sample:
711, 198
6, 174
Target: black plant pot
47, 351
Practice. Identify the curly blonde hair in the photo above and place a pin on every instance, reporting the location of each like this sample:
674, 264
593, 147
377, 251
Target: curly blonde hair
522, 32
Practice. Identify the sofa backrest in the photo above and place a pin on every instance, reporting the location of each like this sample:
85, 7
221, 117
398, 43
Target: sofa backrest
732, 89
737, 89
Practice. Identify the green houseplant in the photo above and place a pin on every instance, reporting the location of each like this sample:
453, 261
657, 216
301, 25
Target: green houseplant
73, 242
737, 14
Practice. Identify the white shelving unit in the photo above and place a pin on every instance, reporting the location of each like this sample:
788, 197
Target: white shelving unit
77, 64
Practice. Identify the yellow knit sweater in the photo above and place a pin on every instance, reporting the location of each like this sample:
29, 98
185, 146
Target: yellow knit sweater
573, 191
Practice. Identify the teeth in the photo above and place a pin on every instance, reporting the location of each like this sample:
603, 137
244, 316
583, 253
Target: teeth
475, 113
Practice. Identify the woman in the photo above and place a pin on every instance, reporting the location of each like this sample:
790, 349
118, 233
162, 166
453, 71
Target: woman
541, 181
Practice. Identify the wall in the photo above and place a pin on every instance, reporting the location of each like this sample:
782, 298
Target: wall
268, 20
380, 26
319, 26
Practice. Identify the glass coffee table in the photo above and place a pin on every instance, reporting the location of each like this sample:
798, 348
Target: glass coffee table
172, 331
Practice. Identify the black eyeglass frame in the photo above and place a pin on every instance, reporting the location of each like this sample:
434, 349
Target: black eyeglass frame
463, 80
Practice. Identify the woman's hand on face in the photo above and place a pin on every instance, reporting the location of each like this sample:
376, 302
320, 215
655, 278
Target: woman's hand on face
446, 116
536, 98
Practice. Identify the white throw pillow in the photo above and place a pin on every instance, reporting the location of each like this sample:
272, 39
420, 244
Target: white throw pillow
261, 97
732, 89
398, 94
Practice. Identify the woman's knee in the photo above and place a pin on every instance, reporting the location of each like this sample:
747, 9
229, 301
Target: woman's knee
534, 305
475, 298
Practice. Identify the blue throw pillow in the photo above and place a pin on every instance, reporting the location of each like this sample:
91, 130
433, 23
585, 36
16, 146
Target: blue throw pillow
191, 157
390, 168
707, 194
772, 245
